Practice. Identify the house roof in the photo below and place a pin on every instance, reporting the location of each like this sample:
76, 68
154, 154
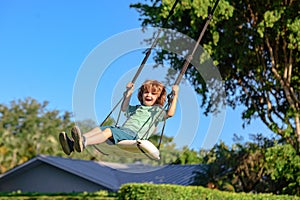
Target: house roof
169, 174
113, 175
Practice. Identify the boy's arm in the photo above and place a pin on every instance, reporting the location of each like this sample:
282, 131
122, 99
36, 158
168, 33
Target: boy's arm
127, 96
172, 109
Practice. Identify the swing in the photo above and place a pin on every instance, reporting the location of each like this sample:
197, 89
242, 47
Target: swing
135, 147
141, 145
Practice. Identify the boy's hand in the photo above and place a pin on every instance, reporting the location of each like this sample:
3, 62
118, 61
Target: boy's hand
127, 94
173, 101
129, 88
175, 89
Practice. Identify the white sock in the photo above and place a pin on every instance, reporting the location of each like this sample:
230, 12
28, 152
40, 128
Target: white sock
84, 142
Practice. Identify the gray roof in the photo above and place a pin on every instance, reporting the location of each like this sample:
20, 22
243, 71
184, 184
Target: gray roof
113, 175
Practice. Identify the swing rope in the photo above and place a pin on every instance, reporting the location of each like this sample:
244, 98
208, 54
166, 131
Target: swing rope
190, 57
185, 66
147, 54
139, 70
170, 96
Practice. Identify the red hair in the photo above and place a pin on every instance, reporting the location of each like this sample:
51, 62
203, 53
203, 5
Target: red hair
155, 87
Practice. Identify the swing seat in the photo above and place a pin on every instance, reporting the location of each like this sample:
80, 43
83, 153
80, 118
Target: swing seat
136, 146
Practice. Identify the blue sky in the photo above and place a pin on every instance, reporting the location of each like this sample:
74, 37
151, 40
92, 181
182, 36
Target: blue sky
44, 44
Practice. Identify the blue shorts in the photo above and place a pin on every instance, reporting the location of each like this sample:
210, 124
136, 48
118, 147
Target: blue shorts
120, 133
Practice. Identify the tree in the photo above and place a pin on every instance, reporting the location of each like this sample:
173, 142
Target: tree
255, 45
188, 156
261, 165
27, 129
283, 167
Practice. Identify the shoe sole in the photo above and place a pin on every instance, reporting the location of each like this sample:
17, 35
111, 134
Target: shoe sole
64, 143
76, 135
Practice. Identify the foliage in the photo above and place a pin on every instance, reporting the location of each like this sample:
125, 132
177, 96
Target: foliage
18, 195
164, 191
283, 166
258, 166
148, 191
256, 48
27, 129
187, 156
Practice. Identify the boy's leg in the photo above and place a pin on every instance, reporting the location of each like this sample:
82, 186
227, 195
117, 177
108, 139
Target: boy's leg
66, 143
94, 136
92, 132
99, 136
79, 140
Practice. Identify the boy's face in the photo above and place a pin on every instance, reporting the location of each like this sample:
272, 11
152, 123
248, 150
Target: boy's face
149, 97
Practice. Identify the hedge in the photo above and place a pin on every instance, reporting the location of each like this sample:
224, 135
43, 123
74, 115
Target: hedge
18, 195
139, 191
171, 192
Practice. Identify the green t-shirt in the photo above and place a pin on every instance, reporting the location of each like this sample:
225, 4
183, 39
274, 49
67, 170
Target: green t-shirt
140, 118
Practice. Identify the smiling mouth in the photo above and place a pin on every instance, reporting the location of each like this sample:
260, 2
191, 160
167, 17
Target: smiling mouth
148, 99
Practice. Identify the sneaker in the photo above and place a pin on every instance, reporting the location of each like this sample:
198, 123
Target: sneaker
66, 143
78, 142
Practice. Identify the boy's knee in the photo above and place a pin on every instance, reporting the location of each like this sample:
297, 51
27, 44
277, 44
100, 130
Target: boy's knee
107, 132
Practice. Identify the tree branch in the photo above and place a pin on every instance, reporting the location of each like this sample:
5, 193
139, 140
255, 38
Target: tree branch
278, 77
